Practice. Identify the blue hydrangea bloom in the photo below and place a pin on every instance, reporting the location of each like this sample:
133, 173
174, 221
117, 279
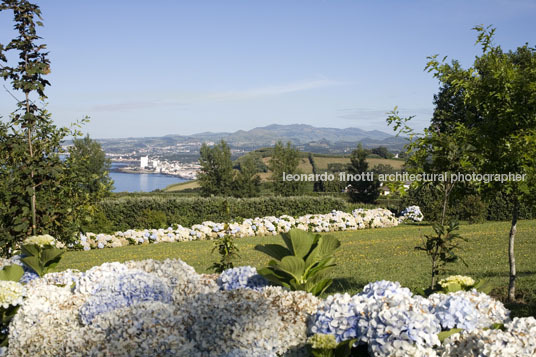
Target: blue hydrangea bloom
336, 316
122, 290
382, 313
385, 289
241, 277
28, 276
457, 312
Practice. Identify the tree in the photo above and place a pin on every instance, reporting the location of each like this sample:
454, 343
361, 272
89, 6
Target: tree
89, 181
363, 189
382, 152
216, 174
499, 96
87, 158
319, 185
32, 177
285, 160
246, 182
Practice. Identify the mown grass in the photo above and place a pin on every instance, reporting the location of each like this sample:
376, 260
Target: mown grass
368, 255
182, 186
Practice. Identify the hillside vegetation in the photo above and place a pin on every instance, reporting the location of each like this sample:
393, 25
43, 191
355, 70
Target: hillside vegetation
322, 161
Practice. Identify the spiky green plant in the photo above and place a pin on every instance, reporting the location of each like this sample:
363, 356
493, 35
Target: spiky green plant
302, 263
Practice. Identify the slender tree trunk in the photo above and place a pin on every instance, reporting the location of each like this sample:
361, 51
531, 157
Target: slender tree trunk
446, 193
511, 256
32, 174
30, 149
433, 282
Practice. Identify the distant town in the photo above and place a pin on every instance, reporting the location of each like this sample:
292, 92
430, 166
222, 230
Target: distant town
146, 165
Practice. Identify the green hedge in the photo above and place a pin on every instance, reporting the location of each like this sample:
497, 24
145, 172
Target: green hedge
124, 213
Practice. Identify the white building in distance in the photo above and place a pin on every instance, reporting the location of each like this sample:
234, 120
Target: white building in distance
144, 161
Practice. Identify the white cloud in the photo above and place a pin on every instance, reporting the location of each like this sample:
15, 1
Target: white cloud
274, 90
232, 95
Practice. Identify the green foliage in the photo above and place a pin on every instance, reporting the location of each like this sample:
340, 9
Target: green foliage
122, 213
217, 177
302, 263
285, 160
87, 158
246, 183
482, 285
501, 204
151, 218
441, 248
87, 179
216, 174
36, 188
499, 110
382, 151
472, 209
228, 252
256, 156
464, 204
6, 315
11, 273
443, 335
361, 190
41, 259
326, 346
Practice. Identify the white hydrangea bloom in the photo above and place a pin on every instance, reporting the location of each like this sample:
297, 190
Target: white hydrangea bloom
270, 225
40, 240
11, 293
463, 281
519, 339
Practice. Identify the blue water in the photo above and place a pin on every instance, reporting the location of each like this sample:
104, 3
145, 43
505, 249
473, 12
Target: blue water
124, 182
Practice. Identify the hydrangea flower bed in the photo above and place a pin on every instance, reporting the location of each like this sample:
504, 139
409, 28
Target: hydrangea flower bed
411, 213
334, 221
165, 308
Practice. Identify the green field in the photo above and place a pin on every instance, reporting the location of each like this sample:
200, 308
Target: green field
182, 186
368, 255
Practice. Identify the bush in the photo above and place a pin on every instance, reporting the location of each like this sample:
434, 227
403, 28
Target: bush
501, 206
472, 209
153, 218
138, 211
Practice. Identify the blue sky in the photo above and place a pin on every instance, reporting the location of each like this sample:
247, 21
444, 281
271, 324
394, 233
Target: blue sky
140, 68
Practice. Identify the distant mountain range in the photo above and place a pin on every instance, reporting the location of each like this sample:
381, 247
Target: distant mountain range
299, 134
306, 137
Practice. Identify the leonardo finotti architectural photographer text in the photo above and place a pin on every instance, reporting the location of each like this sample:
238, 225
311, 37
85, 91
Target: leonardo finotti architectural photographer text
407, 177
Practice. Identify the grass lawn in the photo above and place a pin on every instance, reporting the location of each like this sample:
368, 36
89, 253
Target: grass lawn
368, 255
182, 186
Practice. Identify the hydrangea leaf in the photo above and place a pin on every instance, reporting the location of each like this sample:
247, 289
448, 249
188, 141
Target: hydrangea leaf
443, 335
344, 349
30, 249
453, 287
50, 255
483, 286
34, 263
11, 273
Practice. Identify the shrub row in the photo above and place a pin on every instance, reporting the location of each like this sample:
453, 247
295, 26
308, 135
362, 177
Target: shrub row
467, 206
124, 213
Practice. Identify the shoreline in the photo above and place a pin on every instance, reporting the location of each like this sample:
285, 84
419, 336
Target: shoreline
130, 170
